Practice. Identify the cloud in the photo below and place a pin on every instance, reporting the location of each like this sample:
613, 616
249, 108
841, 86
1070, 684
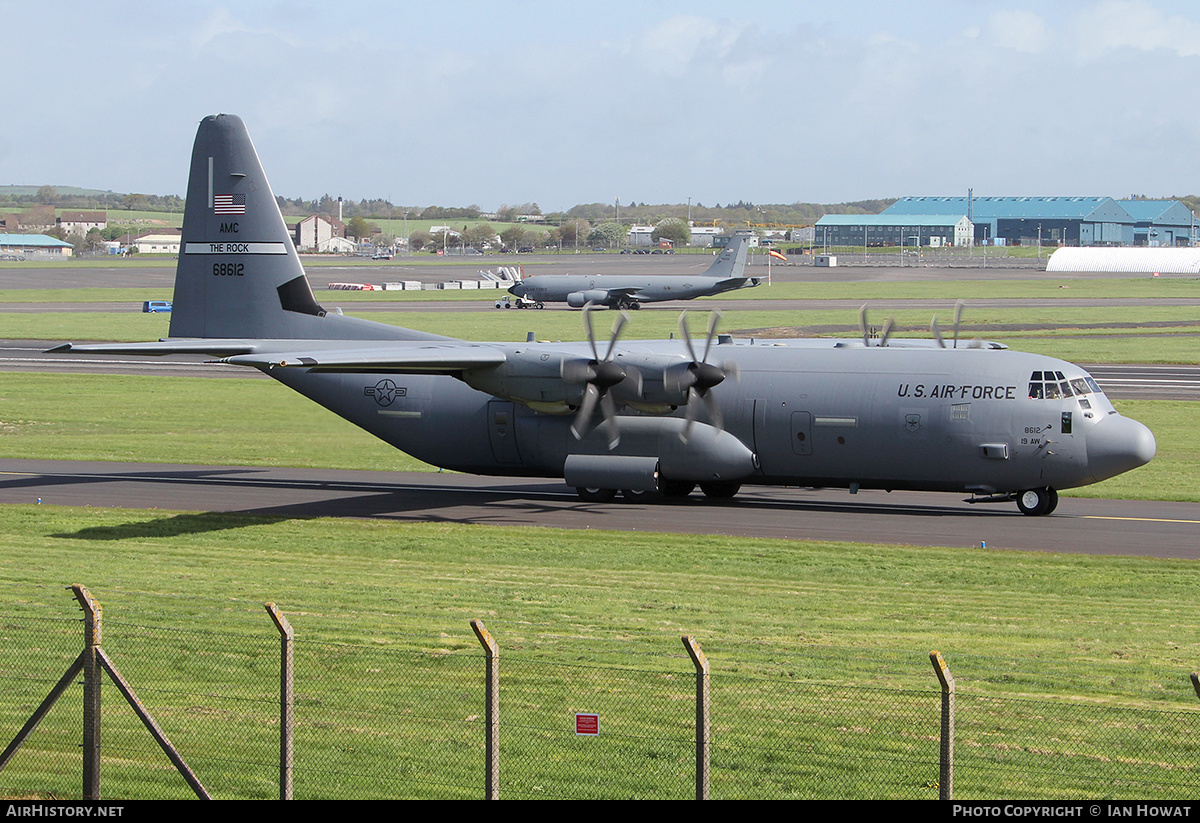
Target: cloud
1021, 31
1135, 24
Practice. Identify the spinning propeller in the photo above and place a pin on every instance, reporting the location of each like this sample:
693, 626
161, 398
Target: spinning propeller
933, 328
958, 310
862, 324
597, 376
699, 376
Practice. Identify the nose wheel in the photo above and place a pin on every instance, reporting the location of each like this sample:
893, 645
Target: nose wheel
1036, 502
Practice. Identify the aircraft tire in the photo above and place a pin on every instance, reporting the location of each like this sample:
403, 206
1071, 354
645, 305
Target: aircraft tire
589, 495
720, 489
676, 489
1037, 502
637, 496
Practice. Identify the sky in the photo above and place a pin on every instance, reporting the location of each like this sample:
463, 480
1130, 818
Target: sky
495, 103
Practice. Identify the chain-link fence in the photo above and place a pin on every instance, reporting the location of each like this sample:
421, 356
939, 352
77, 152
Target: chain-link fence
370, 720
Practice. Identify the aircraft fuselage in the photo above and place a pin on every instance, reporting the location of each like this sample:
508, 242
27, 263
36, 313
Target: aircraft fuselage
961, 420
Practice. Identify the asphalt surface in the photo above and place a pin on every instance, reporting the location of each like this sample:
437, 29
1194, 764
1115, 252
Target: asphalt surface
1085, 526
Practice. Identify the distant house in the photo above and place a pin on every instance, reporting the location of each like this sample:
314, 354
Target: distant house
317, 233
703, 235
32, 219
160, 241
639, 235
336, 245
34, 245
81, 222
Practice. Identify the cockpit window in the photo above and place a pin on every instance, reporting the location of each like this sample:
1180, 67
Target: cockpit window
1053, 385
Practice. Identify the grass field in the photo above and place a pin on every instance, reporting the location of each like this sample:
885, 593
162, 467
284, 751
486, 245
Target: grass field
835, 633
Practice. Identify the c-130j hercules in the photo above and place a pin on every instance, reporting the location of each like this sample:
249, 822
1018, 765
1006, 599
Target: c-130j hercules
642, 417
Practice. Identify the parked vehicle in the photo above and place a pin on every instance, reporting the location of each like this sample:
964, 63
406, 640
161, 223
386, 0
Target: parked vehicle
519, 303
155, 306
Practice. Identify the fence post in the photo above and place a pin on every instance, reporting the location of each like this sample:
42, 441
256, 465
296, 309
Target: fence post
492, 712
946, 773
700, 661
286, 702
1196, 683
92, 625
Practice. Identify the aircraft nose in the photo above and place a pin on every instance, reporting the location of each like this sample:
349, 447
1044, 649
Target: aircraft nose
1117, 444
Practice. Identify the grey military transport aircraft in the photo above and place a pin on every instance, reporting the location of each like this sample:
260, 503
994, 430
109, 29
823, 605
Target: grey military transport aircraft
620, 291
641, 417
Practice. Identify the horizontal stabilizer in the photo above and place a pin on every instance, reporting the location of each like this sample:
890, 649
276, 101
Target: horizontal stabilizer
216, 348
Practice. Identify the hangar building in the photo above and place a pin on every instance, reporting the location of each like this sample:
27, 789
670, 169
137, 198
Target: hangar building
893, 230
1074, 221
1160, 222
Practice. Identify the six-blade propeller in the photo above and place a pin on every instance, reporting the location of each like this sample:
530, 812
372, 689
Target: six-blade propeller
597, 376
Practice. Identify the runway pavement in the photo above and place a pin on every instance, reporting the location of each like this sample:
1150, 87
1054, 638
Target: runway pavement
1084, 526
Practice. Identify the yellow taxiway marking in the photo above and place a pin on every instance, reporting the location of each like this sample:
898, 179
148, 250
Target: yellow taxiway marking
1136, 519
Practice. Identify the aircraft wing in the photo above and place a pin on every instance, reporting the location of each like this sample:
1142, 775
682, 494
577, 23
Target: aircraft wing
393, 358
318, 355
624, 291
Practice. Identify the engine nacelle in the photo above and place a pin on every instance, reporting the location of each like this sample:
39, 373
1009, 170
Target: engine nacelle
579, 299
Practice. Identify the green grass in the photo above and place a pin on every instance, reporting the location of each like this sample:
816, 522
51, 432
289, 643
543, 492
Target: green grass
179, 420
822, 685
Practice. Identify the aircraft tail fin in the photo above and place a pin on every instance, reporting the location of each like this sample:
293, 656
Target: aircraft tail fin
238, 274
732, 261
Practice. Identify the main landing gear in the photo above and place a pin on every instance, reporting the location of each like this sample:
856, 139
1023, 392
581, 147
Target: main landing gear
668, 489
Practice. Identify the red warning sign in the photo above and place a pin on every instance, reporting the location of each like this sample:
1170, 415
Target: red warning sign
587, 724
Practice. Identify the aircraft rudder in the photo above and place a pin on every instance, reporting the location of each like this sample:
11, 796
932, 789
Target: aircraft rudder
238, 273
732, 261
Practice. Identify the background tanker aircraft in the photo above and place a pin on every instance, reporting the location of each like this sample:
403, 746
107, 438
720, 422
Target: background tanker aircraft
643, 417
622, 291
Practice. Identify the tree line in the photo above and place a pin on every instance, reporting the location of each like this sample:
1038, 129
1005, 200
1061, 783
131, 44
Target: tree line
738, 213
